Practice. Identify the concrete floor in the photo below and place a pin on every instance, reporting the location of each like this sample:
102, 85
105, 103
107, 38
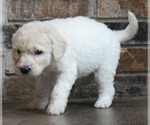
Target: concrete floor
130, 111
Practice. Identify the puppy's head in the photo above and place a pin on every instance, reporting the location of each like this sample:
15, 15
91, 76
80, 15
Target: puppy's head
34, 45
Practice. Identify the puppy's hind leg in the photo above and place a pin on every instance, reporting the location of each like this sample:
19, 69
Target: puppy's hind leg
106, 89
105, 79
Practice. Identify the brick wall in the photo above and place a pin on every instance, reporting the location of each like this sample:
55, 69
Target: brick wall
131, 77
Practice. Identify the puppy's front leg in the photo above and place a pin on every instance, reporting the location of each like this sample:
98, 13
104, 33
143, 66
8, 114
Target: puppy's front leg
42, 92
61, 91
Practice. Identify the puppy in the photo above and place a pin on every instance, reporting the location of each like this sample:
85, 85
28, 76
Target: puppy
67, 49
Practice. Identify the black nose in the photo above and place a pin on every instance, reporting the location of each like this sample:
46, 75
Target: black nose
25, 69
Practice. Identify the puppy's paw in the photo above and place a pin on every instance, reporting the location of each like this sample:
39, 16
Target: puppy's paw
56, 109
37, 105
103, 102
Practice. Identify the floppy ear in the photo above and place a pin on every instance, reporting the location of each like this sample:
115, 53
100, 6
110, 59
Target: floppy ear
58, 44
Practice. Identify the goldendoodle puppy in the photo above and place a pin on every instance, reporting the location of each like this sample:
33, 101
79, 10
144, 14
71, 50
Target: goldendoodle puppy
67, 49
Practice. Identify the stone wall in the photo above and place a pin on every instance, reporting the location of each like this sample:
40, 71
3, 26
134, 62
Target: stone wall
131, 77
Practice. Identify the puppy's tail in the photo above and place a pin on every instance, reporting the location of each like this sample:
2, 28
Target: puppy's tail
130, 31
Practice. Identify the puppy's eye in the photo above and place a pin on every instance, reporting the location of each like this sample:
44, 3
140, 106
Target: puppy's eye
38, 52
19, 52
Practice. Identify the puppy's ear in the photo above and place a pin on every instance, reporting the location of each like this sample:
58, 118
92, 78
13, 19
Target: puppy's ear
58, 44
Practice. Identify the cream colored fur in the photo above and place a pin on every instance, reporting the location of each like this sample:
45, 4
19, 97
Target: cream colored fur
72, 48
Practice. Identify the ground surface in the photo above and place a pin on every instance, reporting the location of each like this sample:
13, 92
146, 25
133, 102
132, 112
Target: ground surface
131, 111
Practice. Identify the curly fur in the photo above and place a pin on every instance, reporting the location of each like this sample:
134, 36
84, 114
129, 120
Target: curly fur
72, 48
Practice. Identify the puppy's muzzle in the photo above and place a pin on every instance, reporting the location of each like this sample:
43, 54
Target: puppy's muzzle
25, 70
